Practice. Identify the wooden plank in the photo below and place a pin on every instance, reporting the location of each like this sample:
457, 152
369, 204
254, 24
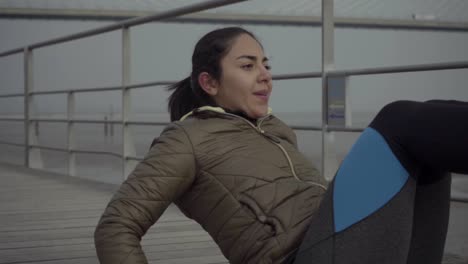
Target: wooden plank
29, 224
149, 239
58, 260
68, 213
87, 222
188, 260
49, 210
48, 220
65, 193
197, 260
87, 210
38, 217
87, 250
78, 232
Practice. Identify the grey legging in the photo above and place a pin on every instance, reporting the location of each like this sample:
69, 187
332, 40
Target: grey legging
389, 201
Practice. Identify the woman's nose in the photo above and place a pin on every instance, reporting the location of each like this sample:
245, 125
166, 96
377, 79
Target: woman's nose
265, 74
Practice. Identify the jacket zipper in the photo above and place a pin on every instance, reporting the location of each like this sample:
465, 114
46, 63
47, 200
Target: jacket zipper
261, 131
291, 165
270, 138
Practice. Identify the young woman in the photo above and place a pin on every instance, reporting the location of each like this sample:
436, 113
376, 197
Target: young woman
235, 168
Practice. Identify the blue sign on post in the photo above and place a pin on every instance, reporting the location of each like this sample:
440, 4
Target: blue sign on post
338, 108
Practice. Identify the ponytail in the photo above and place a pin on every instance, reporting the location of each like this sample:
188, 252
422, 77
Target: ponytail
182, 100
185, 97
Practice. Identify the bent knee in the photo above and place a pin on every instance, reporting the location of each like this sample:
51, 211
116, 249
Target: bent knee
394, 116
397, 108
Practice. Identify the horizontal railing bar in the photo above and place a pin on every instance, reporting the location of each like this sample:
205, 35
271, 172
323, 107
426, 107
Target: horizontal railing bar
11, 95
291, 76
459, 198
102, 89
307, 128
147, 123
49, 148
344, 129
11, 52
61, 120
235, 18
85, 90
315, 21
148, 84
131, 22
11, 143
404, 24
12, 119
91, 121
80, 151
400, 69
329, 129
49, 120
135, 158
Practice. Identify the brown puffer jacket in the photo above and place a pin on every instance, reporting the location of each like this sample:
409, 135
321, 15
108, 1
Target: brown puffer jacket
247, 185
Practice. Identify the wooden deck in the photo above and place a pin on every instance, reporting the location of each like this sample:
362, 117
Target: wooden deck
47, 219
50, 219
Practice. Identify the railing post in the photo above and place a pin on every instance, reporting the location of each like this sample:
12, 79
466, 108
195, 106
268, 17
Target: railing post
328, 43
71, 134
32, 157
27, 87
128, 148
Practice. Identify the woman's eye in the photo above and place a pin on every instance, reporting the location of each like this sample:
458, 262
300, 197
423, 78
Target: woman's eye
268, 67
247, 66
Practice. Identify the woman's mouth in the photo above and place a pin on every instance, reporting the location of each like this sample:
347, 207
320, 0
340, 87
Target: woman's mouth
263, 95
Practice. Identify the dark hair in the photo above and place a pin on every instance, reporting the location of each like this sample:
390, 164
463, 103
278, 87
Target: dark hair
207, 55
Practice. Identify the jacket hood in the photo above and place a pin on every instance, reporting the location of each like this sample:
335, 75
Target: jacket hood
213, 109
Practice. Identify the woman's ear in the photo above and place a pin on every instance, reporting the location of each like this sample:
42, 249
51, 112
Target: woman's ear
208, 83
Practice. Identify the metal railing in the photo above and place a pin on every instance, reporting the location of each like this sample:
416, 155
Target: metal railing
128, 153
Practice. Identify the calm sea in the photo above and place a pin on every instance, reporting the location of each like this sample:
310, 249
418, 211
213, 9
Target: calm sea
108, 168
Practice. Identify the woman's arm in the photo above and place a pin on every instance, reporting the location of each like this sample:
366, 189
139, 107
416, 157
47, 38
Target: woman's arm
166, 172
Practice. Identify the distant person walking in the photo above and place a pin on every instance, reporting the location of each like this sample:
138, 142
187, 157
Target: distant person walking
228, 163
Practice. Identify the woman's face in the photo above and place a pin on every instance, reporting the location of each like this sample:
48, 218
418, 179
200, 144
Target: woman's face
245, 83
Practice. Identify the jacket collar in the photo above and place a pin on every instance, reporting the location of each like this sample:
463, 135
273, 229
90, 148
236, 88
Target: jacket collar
211, 108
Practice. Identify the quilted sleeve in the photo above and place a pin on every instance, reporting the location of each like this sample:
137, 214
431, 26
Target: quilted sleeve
166, 172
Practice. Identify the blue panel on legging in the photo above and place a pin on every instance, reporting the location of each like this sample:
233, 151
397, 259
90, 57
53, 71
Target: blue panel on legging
368, 178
